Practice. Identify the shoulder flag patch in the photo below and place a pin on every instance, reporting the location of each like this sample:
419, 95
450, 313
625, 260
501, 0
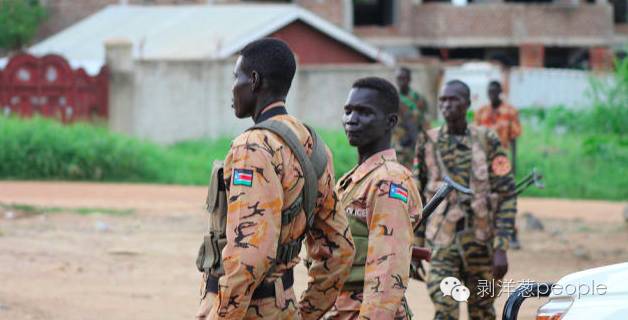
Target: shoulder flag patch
243, 177
398, 192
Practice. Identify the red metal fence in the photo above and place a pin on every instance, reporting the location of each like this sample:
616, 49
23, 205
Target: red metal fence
48, 86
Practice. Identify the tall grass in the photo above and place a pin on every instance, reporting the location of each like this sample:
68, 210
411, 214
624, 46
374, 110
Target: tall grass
583, 153
43, 149
575, 165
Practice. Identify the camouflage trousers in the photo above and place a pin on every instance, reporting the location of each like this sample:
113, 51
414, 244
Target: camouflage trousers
470, 262
258, 309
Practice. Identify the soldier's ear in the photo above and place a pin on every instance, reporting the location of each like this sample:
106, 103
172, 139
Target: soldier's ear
256, 81
393, 118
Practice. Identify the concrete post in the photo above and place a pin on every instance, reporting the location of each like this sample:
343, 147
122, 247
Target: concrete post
119, 59
601, 58
347, 20
532, 55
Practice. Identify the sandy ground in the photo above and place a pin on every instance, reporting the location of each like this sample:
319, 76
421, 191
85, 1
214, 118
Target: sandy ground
141, 266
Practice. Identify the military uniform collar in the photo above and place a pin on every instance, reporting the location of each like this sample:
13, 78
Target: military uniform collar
445, 137
373, 162
273, 109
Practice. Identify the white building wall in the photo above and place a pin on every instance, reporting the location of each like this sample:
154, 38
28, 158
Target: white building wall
182, 100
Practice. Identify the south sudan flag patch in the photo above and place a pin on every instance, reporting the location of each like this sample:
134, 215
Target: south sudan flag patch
398, 192
243, 177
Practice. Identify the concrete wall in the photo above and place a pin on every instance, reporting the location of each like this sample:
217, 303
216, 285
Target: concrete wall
527, 87
552, 87
181, 100
319, 92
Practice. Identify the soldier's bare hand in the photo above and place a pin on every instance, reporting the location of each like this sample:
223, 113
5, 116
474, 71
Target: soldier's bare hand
205, 307
500, 264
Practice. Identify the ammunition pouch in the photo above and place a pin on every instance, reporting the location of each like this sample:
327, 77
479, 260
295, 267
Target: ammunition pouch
209, 254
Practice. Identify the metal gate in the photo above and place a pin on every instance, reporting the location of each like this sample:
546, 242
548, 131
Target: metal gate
49, 87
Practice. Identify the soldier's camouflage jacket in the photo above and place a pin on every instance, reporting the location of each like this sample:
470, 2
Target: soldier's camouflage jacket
476, 160
263, 177
382, 202
412, 120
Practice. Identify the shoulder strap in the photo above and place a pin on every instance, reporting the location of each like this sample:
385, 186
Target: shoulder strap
313, 167
482, 135
318, 158
434, 135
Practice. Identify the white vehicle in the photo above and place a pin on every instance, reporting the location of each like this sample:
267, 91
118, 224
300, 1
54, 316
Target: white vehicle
599, 293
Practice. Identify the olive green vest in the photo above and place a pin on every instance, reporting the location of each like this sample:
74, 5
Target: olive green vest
360, 233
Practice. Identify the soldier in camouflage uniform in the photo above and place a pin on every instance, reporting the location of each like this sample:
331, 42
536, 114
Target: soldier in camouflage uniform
468, 234
412, 118
264, 182
382, 203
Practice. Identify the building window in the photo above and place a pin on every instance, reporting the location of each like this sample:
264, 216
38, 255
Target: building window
620, 10
566, 58
373, 12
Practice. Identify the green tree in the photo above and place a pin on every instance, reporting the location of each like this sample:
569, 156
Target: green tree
19, 21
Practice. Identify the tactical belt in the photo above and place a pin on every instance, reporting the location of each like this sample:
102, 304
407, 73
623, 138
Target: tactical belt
264, 290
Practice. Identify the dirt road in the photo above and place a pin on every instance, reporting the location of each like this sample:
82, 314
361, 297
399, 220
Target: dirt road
141, 266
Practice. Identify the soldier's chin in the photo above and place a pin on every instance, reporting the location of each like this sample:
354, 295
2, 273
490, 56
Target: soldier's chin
240, 114
354, 141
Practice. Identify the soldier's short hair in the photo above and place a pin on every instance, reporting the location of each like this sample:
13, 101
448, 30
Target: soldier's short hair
405, 69
273, 60
384, 88
495, 83
465, 87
